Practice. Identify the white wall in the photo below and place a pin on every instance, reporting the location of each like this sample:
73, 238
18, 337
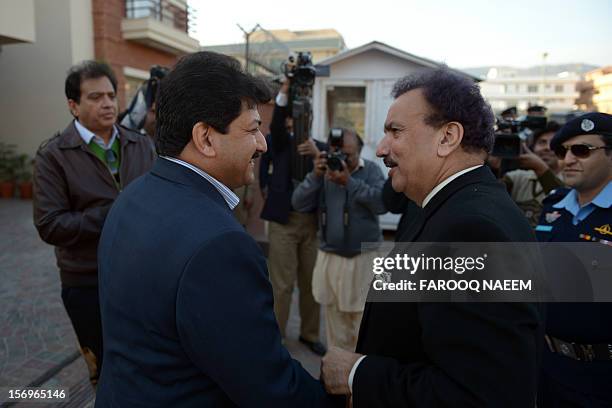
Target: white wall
17, 20
81, 28
33, 106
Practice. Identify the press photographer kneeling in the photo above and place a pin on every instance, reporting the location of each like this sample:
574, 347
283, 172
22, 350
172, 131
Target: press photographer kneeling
346, 191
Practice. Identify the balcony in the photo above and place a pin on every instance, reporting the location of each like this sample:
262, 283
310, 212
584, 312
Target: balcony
161, 24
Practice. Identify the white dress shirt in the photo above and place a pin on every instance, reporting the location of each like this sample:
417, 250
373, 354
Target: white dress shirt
87, 135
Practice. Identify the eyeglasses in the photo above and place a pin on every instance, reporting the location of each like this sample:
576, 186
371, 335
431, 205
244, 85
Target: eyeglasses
581, 151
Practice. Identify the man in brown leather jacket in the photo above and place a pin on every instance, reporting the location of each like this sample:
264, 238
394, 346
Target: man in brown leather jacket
78, 173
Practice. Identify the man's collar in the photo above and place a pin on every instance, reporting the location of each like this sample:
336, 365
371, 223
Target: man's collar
602, 200
360, 165
569, 203
445, 182
228, 195
87, 134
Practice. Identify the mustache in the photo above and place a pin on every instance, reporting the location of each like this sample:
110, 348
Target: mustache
389, 162
255, 155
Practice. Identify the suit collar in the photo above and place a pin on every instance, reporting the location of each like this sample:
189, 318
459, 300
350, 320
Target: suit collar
182, 175
445, 182
479, 175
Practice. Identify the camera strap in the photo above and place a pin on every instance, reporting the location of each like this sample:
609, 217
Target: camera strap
323, 213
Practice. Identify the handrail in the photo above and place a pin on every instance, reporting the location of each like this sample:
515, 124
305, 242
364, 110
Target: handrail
167, 12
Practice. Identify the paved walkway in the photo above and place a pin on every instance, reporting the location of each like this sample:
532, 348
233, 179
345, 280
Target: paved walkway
37, 343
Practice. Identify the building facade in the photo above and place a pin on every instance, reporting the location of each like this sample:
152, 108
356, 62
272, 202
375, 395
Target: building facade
504, 89
598, 90
133, 35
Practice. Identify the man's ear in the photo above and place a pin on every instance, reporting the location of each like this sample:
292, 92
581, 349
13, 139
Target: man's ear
73, 107
203, 138
450, 138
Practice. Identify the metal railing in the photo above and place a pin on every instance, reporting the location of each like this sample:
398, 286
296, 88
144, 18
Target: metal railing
167, 12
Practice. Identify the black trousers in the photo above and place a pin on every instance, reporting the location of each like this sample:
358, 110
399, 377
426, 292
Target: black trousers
83, 307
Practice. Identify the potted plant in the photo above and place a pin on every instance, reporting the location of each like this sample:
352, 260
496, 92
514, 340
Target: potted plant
23, 175
7, 170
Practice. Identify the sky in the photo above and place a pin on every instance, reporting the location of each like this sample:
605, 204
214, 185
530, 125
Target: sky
461, 33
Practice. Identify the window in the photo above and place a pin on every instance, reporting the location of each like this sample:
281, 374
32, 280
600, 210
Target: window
532, 88
161, 10
142, 8
346, 108
558, 88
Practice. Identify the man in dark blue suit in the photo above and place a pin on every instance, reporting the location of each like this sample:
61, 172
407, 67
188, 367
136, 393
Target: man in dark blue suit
187, 308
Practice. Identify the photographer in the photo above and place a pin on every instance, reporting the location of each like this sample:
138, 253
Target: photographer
140, 114
346, 191
292, 235
538, 174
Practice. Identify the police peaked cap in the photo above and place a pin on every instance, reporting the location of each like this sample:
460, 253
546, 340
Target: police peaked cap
593, 123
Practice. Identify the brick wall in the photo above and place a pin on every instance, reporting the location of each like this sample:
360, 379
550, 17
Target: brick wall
110, 47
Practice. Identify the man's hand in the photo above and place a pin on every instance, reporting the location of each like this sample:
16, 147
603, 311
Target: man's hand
336, 367
530, 161
320, 164
308, 148
339, 176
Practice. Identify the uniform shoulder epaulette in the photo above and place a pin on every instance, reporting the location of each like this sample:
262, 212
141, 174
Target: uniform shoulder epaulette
556, 195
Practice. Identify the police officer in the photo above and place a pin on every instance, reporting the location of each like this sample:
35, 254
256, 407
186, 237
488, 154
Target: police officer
577, 367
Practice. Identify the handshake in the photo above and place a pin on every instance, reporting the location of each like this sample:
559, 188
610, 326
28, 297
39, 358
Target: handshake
336, 367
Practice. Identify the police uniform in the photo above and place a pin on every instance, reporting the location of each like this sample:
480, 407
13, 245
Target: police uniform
577, 367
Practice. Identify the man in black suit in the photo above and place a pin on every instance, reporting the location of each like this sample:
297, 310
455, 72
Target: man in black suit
437, 133
186, 303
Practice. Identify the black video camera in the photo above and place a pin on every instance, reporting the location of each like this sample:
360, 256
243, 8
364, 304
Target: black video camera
300, 70
511, 133
335, 158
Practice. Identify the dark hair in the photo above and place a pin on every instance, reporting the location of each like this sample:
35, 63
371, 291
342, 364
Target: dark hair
453, 97
203, 87
551, 126
86, 70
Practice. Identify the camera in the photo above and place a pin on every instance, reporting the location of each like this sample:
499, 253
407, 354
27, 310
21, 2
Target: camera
300, 70
511, 133
335, 158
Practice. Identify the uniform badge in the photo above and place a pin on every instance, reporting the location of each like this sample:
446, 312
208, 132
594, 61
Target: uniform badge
552, 217
604, 229
587, 125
